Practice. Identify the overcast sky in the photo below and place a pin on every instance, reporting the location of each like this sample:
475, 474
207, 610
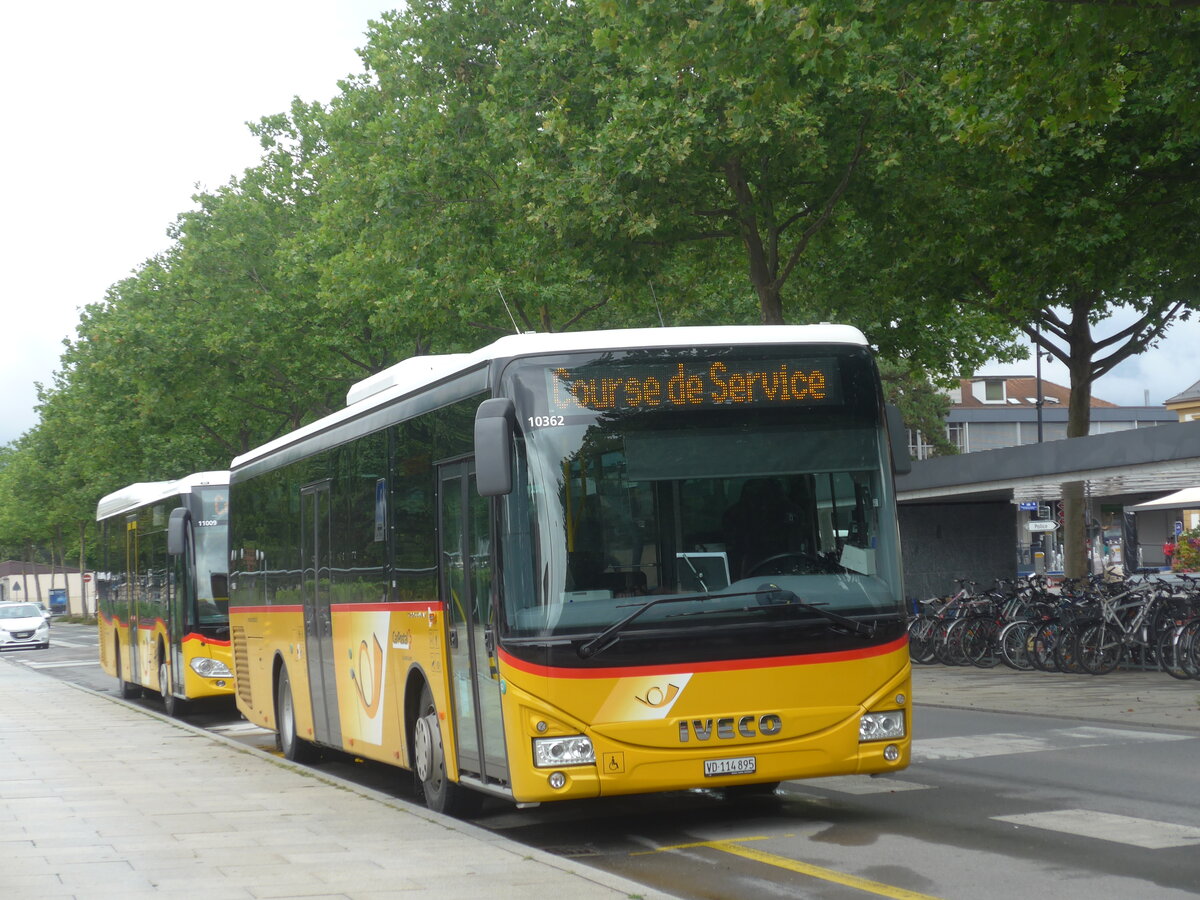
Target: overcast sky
116, 111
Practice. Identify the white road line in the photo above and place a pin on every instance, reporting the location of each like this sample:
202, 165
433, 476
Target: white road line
240, 728
862, 784
975, 746
55, 642
60, 665
1145, 833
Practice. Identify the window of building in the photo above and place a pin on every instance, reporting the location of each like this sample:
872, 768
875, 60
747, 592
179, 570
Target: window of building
956, 433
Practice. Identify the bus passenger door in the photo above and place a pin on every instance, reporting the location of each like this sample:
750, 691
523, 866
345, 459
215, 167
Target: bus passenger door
466, 583
133, 595
318, 623
180, 599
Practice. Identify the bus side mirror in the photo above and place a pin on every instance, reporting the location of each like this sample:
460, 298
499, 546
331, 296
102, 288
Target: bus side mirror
494, 422
177, 531
898, 434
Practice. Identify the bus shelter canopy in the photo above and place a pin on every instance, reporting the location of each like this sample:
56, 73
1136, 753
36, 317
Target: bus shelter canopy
1188, 498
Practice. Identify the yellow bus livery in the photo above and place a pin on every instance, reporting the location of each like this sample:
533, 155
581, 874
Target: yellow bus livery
162, 589
586, 564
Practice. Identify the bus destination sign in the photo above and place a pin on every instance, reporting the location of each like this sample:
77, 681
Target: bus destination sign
693, 385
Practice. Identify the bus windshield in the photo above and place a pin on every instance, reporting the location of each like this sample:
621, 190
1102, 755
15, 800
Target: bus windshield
731, 477
212, 536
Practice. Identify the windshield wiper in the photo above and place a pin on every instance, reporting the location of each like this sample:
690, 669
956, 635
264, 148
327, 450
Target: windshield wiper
767, 594
609, 635
771, 595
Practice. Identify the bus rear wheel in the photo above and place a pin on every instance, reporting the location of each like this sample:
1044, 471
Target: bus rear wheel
440, 793
292, 746
127, 689
172, 705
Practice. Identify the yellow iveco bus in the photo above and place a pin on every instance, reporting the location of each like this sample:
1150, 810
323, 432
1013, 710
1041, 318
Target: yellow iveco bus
163, 602
585, 564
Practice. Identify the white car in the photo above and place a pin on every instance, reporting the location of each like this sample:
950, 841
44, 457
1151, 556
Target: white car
23, 625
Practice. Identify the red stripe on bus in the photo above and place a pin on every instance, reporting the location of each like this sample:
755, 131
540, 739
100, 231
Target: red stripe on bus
192, 636
724, 665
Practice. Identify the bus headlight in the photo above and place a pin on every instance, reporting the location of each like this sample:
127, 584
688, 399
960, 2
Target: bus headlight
210, 668
574, 750
881, 726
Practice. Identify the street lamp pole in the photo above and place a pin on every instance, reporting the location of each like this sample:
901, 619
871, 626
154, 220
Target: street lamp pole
1037, 349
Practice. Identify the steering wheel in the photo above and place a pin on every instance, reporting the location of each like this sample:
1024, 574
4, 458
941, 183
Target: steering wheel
801, 564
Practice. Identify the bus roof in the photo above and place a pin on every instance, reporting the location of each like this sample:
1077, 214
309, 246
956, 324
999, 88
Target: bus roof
415, 373
409, 374
139, 494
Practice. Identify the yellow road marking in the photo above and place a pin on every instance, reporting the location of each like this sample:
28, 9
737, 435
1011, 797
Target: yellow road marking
783, 862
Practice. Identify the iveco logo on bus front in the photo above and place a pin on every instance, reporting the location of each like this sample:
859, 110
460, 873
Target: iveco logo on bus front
728, 728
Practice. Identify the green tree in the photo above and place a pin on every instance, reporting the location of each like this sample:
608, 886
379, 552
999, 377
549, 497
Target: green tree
1089, 112
656, 124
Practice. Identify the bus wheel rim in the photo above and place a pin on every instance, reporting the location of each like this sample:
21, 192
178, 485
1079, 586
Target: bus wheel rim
423, 748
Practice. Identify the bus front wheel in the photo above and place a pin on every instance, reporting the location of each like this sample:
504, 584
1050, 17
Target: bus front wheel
440, 793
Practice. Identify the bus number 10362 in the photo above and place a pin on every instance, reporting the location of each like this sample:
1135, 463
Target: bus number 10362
546, 421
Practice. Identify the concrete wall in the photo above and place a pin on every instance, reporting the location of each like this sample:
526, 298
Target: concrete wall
944, 541
36, 588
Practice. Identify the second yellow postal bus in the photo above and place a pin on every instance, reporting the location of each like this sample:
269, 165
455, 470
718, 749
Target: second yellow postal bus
587, 564
163, 610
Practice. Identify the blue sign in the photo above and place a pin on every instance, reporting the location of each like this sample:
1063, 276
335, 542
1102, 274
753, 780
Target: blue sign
1178, 529
1028, 505
58, 601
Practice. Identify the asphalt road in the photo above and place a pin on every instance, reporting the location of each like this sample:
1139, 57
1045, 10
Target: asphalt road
995, 805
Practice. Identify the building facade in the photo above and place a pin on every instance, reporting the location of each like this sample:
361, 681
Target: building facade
1186, 405
998, 413
962, 516
991, 412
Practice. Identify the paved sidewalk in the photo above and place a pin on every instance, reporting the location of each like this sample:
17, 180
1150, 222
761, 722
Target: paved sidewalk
1123, 697
102, 800
99, 799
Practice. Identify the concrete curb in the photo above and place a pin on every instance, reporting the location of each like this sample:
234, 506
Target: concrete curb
429, 843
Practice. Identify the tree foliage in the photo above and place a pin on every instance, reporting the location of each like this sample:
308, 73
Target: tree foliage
943, 177
1094, 198
1092, 114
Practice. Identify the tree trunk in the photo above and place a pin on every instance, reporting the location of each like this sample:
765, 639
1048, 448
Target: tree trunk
1079, 423
770, 304
762, 256
83, 603
37, 582
1074, 530
59, 554
58, 562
